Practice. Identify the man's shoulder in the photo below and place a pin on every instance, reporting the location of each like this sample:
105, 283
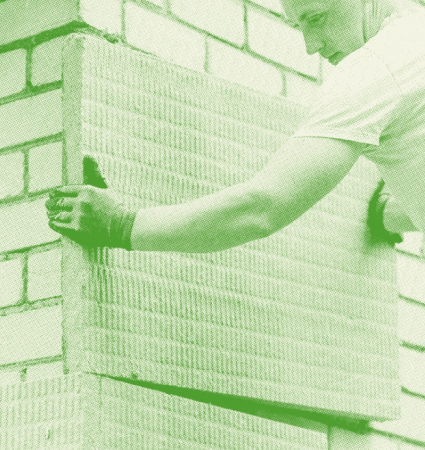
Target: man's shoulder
400, 43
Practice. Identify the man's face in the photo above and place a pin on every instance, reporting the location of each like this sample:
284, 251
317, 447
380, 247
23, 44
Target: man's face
334, 28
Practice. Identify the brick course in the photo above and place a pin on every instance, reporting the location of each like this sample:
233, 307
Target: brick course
233, 65
31, 118
221, 18
24, 225
30, 335
164, 38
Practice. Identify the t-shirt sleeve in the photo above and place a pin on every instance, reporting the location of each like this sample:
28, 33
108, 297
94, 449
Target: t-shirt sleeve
356, 102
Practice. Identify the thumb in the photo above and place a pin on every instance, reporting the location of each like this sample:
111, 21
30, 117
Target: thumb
67, 191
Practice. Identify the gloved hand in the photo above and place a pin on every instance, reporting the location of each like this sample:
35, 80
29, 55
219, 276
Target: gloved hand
90, 216
375, 217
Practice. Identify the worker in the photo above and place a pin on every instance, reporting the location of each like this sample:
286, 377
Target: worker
373, 104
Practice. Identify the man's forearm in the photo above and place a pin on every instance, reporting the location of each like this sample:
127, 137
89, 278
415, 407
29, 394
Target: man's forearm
228, 218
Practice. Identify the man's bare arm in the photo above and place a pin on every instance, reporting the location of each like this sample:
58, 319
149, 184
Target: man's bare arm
297, 176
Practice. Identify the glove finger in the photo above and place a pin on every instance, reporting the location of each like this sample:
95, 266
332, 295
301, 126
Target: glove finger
67, 191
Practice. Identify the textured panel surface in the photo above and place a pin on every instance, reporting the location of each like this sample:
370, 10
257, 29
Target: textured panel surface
86, 412
306, 317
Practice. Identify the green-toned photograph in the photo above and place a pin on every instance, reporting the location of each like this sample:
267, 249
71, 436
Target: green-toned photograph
211, 224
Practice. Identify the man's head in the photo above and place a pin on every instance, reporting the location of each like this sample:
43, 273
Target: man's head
336, 28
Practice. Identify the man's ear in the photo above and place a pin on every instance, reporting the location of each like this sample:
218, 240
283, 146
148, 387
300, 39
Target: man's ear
91, 173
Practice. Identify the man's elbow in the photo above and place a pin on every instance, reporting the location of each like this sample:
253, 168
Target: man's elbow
270, 214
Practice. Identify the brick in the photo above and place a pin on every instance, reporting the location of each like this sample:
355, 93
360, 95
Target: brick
164, 38
45, 166
340, 439
30, 335
412, 243
24, 18
300, 89
12, 72
44, 371
271, 5
24, 225
411, 323
411, 277
270, 37
9, 377
102, 14
30, 118
44, 275
412, 370
93, 412
11, 174
11, 282
233, 65
222, 18
46, 61
411, 423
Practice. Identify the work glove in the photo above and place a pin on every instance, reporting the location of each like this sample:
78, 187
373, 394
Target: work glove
89, 215
375, 217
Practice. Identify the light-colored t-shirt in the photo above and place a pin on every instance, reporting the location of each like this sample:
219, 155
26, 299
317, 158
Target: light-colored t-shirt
376, 96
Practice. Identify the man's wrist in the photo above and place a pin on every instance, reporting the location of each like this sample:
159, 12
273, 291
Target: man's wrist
121, 227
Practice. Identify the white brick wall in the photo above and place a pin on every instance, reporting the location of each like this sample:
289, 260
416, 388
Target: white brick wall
46, 64
24, 225
233, 65
12, 72
45, 166
11, 282
11, 174
270, 37
222, 18
102, 14
165, 34
164, 38
30, 335
44, 274
24, 18
30, 118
